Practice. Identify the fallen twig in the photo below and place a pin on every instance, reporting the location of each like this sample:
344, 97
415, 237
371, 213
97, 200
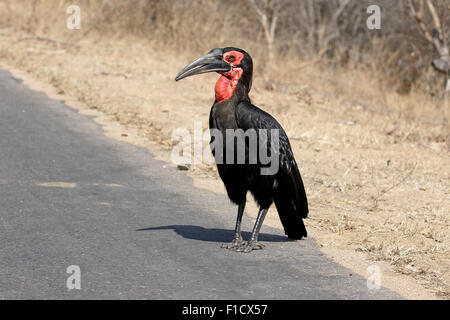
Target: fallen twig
45, 38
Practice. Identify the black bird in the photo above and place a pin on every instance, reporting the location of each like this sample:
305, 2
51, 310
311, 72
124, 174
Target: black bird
233, 111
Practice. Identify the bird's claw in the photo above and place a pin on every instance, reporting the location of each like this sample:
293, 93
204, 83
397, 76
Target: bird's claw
248, 246
239, 245
235, 244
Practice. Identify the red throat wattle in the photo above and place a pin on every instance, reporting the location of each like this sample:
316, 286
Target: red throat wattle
227, 83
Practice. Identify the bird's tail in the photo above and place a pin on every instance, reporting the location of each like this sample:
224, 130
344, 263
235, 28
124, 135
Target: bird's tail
292, 204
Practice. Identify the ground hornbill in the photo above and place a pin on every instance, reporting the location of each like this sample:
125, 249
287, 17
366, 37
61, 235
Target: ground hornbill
233, 111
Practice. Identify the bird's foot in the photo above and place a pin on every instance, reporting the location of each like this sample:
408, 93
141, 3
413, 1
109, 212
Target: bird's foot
250, 246
235, 244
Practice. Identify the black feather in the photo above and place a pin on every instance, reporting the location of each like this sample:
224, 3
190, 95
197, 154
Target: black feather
289, 194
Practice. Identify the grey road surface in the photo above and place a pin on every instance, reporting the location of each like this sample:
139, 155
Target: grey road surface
69, 195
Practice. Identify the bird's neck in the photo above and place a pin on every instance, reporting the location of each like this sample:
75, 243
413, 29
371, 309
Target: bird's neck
227, 84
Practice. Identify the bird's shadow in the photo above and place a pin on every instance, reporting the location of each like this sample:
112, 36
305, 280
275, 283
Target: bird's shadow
214, 235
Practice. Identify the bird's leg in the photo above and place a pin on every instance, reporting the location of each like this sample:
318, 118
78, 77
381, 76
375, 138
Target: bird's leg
253, 243
237, 240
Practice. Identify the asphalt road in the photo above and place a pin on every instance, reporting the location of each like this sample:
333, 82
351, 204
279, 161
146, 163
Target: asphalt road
69, 195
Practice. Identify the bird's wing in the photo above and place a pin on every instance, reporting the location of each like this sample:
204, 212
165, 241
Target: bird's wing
290, 196
249, 116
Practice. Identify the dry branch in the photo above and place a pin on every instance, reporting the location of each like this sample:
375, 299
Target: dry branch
45, 38
268, 16
437, 38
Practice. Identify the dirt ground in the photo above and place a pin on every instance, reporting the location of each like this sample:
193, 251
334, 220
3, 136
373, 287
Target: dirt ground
377, 174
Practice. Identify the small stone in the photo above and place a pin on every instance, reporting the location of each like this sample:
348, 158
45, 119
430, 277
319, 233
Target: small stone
183, 167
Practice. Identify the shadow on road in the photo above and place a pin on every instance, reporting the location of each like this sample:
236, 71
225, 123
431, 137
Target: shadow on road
214, 235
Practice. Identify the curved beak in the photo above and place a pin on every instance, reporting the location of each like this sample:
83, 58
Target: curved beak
211, 62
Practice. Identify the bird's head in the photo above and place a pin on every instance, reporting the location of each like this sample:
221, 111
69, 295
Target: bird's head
234, 64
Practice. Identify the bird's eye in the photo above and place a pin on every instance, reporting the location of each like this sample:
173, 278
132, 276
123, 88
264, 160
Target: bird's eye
231, 58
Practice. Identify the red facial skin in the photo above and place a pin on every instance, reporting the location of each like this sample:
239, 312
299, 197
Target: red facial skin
227, 83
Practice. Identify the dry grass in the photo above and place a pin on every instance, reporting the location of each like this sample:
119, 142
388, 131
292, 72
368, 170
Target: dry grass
376, 163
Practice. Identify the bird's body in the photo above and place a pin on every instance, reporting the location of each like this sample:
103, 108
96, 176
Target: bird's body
245, 131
